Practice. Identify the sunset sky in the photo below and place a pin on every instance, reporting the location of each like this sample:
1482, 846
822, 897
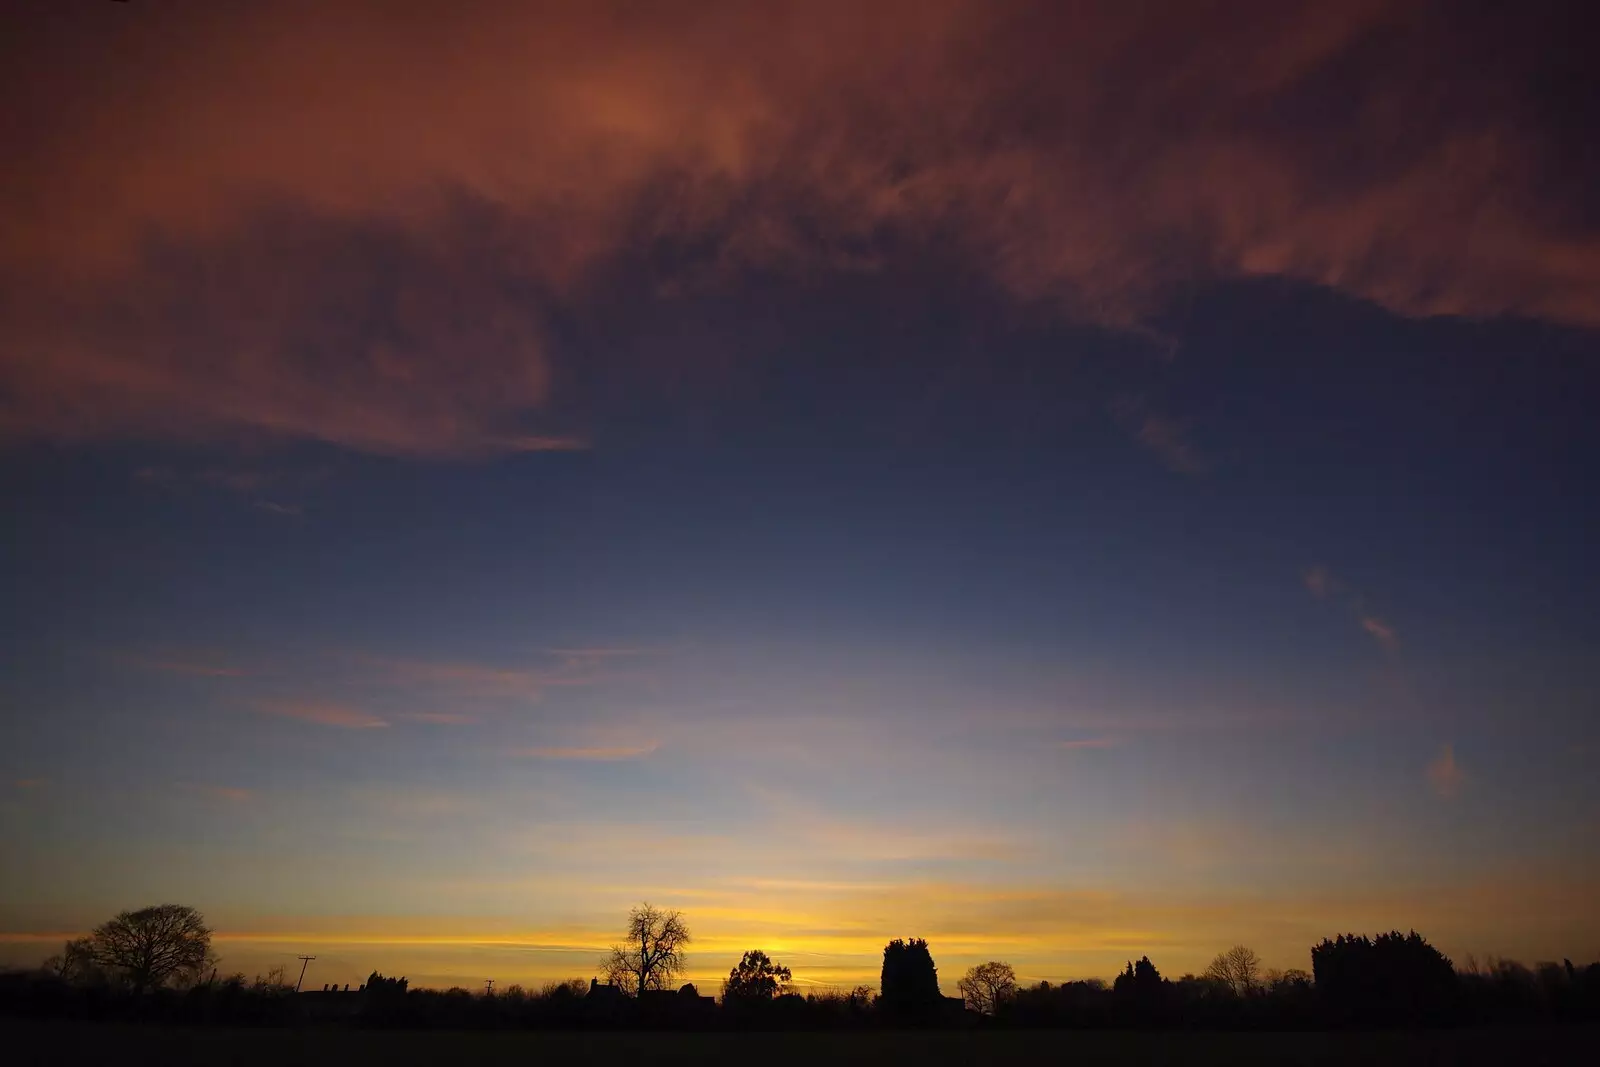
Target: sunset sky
1069, 482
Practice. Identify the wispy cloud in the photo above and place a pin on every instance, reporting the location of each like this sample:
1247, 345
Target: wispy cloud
414, 802
1320, 581
440, 718
597, 754
1445, 774
30, 783
1169, 440
231, 794
324, 714
193, 666
554, 668
249, 483
1381, 632
466, 679
1089, 742
545, 444
1166, 438
601, 653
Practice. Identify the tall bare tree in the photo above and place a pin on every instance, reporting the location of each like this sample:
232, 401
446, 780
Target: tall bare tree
1239, 969
153, 946
988, 985
652, 954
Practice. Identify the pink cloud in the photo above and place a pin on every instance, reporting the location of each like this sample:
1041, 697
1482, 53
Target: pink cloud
548, 144
598, 754
195, 667
1320, 581
1169, 440
1381, 632
1445, 774
323, 714
470, 679
440, 718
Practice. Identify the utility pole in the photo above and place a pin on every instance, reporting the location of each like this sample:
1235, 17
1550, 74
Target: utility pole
304, 961
488, 987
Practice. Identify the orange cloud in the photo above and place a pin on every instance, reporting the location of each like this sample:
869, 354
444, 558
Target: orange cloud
30, 783
339, 715
1445, 774
309, 238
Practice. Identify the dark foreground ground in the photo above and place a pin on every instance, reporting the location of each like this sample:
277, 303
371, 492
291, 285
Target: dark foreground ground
96, 1043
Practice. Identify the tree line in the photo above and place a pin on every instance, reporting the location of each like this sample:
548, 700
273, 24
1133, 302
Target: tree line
157, 963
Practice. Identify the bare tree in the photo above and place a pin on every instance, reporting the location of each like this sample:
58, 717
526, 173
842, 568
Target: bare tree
76, 963
153, 946
652, 955
1239, 969
988, 985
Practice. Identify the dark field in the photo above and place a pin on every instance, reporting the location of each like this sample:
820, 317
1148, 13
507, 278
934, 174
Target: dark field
54, 1042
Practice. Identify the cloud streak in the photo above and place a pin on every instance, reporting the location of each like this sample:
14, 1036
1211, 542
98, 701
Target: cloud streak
1381, 632
308, 240
1445, 774
228, 793
192, 667
341, 716
1091, 742
1321, 583
588, 754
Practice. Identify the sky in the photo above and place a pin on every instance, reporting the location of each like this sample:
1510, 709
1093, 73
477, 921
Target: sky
1067, 482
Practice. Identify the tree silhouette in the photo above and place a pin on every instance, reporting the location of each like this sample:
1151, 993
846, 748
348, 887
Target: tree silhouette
988, 985
1393, 977
910, 981
652, 954
151, 947
1239, 968
379, 986
756, 977
1138, 979
76, 963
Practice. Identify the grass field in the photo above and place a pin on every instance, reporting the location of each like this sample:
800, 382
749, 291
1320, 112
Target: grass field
63, 1043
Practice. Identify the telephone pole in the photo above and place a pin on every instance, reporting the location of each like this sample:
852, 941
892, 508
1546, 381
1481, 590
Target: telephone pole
304, 961
488, 987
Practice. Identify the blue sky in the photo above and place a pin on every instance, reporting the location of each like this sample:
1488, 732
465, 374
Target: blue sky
954, 527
